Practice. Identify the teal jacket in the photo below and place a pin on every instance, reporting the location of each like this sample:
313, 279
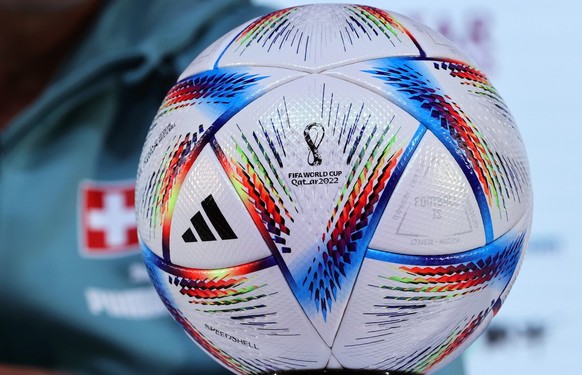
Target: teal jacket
75, 295
66, 305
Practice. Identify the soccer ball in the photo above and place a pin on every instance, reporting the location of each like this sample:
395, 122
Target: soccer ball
333, 186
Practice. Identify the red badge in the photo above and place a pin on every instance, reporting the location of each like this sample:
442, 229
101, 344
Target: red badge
108, 226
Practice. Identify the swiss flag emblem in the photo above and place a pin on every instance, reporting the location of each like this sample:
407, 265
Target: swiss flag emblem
108, 225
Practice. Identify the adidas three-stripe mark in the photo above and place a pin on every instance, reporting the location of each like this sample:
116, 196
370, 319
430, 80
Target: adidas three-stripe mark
217, 220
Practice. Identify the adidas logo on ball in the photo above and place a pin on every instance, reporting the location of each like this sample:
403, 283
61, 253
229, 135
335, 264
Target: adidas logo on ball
217, 220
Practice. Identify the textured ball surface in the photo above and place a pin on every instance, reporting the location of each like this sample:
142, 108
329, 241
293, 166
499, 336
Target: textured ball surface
333, 186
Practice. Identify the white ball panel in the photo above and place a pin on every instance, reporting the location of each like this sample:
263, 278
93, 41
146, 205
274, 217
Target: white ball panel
417, 313
247, 314
382, 333
483, 107
310, 207
342, 34
479, 128
188, 113
195, 241
432, 210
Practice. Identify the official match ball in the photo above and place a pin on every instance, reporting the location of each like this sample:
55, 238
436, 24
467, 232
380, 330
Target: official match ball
333, 186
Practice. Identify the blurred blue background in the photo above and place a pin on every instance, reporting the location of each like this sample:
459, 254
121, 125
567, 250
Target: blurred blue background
531, 52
